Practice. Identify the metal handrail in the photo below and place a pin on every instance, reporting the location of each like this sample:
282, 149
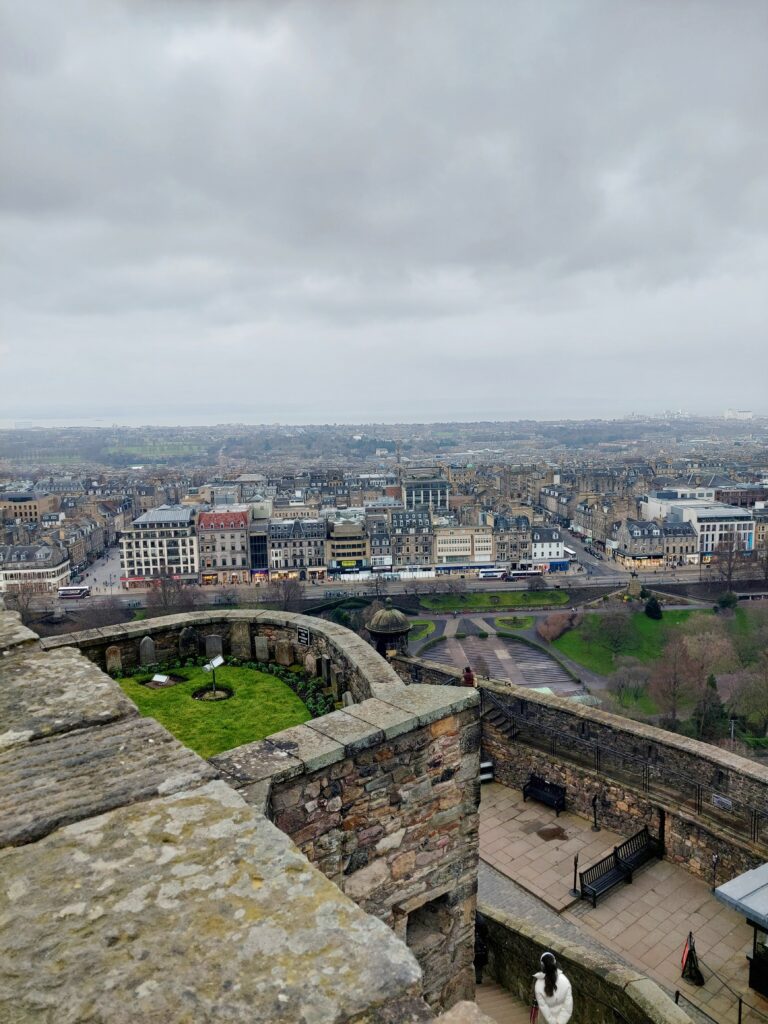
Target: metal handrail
681, 995
742, 1001
596, 752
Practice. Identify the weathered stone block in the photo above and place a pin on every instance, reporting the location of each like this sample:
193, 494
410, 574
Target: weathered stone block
310, 664
261, 649
284, 652
214, 646
59, 780
147, 654
189, 643
240, 640
114, 659
363, 883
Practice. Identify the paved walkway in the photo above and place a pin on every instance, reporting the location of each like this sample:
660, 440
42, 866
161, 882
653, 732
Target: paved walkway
644, 924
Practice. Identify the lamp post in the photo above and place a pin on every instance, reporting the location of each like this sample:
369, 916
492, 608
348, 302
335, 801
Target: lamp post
211, 667
595, 826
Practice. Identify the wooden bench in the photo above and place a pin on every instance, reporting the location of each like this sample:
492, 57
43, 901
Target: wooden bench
550, 793
601, 877
639, 849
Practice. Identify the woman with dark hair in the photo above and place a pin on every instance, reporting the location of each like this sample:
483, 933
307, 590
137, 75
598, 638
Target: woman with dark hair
552, 991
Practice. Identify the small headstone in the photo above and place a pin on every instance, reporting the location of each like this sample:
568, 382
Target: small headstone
310, 664
261, 649
325, 668
240, 639
284, 652
347, 699
189, 643
213, 646
147, 651
114, 659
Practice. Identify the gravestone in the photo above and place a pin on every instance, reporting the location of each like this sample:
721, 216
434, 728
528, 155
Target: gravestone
147, 651
214, 646
240, 639
347, 699
189, 643
261, 649
114, 659
310, 664
325, 669
284, 652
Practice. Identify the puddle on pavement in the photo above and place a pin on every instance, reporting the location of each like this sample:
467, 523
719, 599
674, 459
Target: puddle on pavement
550, 832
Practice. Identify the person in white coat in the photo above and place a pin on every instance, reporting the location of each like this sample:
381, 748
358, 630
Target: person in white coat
552, 991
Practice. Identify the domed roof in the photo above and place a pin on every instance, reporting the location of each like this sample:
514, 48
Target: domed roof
389, 620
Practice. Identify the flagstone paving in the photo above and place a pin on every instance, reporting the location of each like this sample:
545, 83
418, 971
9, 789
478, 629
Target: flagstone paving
645, 923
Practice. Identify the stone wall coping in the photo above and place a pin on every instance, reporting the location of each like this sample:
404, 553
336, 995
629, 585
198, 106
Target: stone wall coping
324, 741
648, 733
188, 906
12, 632
68, 692
380, 675
645, 993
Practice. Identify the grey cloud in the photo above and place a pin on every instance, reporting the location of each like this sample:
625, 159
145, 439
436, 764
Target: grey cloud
454, 186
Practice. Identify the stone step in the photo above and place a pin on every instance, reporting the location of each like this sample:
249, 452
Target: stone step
498, 1004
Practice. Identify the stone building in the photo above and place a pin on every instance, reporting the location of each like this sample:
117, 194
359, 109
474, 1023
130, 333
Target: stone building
639, 544
296, 549
426, 492
223, 545
548, 548
27, 508
680, 543
512, 541
411, 538
161, 542
35, 568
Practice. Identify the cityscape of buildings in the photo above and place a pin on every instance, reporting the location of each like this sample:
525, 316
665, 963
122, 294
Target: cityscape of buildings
638, 502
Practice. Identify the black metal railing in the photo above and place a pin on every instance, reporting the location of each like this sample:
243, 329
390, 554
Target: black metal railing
625, 766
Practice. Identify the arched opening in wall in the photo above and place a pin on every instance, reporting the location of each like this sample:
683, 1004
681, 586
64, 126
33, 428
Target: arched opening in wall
428, 934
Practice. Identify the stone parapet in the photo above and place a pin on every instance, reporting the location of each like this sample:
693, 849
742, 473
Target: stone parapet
383, 798
136, 888
599, 985
344, 660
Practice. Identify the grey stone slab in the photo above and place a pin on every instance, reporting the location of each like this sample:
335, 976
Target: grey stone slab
391, 720
253, 762
42, 694
12, 632
353, 732
189, 907
312, 748
429, 703
62, 779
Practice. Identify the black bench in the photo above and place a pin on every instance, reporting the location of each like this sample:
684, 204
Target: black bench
639, 849
601, 877
550, 793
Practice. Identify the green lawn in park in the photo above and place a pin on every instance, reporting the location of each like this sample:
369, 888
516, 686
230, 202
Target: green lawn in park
517, 622
482, 601
646, 641
260, 706
421, 629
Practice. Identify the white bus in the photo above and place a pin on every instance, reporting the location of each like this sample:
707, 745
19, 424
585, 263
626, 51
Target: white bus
492, 574
73, 593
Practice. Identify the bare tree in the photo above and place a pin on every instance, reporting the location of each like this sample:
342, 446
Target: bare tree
670, 685
286, 594
169, 596
21, 598
750, 695
728, 561
537, 582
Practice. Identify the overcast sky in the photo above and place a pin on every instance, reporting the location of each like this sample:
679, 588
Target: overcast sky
331, 211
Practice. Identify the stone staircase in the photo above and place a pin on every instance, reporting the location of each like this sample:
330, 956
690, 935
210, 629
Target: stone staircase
500, 1005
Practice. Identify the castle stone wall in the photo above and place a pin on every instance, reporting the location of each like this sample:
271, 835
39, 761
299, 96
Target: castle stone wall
382, 797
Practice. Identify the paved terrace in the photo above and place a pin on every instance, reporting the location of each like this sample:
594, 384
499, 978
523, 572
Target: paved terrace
529, 856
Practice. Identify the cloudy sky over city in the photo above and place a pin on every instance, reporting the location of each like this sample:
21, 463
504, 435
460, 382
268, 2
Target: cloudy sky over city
330, 211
